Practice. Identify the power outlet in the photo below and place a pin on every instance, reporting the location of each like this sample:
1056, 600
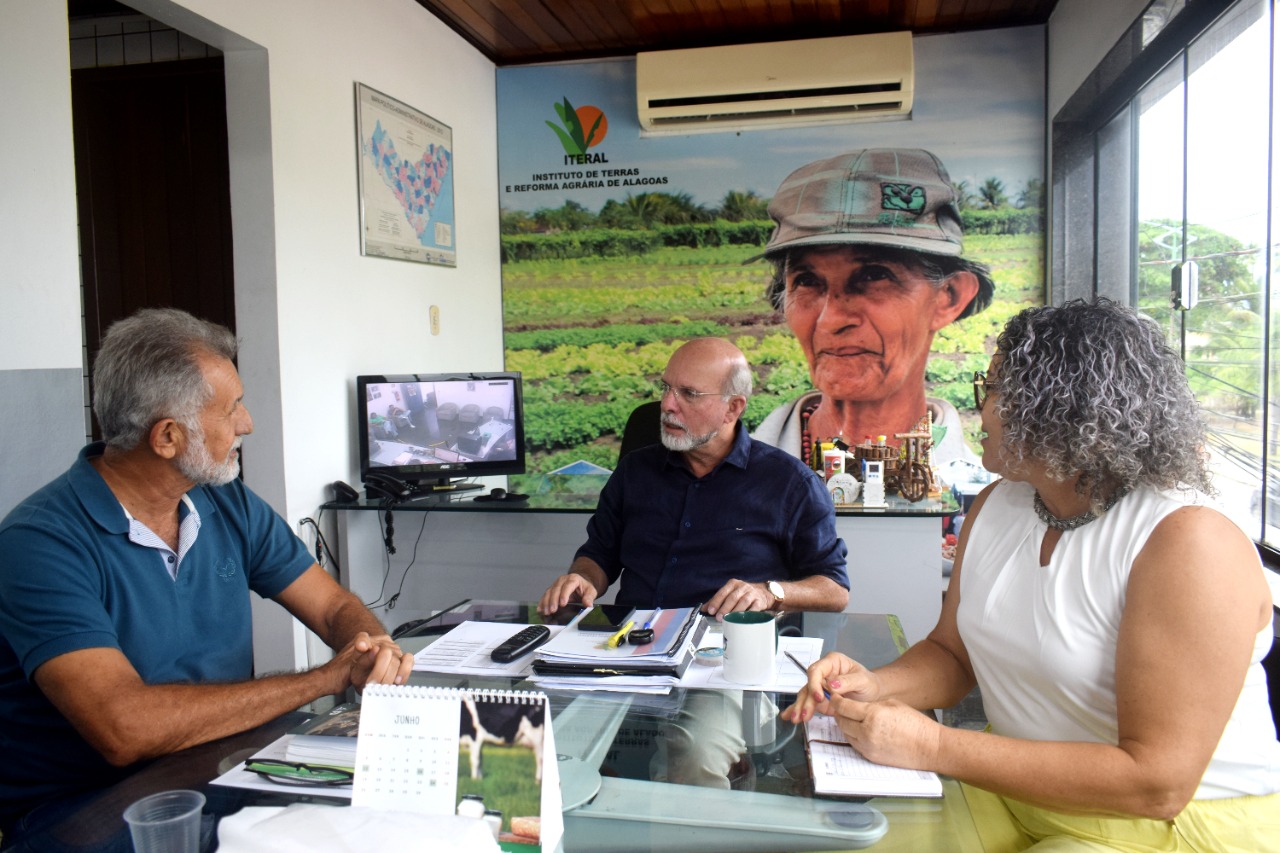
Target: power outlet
435, 319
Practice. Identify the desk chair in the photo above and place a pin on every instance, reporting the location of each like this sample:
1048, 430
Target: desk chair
1271, 665
643, 427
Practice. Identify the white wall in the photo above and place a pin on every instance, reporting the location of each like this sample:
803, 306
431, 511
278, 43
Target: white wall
337, 313
42, 425
311, 311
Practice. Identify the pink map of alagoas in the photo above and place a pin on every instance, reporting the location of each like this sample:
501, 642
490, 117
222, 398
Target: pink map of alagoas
415, 185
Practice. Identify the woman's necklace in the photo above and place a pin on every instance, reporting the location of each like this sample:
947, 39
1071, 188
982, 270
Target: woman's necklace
1076, 520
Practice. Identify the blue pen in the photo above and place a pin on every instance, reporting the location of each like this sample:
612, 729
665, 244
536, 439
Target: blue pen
805, 670
652, 617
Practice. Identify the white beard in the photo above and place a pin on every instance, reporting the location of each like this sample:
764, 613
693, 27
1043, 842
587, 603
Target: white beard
685, 442
200, 468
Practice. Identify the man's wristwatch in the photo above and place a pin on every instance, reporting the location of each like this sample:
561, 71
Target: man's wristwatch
779, 594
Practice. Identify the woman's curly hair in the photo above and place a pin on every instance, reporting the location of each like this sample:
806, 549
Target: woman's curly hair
1091, 388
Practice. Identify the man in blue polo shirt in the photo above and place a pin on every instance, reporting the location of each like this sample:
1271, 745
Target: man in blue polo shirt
124, 587
709, 516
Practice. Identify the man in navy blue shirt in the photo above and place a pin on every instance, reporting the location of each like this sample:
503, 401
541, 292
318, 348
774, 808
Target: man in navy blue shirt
125, 626
710, 516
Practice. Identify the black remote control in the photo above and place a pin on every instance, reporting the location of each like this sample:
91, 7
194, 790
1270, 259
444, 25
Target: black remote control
521, 643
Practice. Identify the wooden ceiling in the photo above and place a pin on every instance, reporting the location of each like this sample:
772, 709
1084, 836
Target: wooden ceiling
519, 32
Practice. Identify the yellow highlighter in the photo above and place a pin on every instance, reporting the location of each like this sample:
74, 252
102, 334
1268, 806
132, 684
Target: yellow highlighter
615, 640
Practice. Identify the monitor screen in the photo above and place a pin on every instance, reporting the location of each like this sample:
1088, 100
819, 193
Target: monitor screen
428, 429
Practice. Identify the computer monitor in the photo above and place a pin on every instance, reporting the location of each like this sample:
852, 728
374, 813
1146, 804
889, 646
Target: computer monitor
431, 429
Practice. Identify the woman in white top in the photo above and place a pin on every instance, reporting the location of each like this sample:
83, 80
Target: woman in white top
1114, 622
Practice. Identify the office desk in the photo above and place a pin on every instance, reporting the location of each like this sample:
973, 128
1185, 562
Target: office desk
775, 759
774, 766
466, 548
102, 818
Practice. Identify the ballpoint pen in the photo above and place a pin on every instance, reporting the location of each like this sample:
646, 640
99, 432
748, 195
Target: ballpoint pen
653, 617
614, 640
805, 670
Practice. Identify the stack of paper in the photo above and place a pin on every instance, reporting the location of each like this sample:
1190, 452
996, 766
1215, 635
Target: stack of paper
328, 738
579, 654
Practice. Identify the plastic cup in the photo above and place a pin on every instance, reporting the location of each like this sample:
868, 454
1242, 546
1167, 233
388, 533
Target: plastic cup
168, 822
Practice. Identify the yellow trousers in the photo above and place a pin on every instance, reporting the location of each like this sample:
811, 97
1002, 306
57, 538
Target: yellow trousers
1234, 825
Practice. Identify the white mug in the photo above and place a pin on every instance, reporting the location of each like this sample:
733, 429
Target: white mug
750, 647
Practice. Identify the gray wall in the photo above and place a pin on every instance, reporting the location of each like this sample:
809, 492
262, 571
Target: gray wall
43, 432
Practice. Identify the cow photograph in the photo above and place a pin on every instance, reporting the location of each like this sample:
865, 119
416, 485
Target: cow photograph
500, 759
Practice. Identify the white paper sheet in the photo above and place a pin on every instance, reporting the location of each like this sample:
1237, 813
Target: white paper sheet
465, 651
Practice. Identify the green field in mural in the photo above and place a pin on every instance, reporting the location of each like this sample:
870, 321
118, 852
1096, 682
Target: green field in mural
592, 334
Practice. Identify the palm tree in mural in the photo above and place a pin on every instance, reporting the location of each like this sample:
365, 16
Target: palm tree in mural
616, 214
964, 195
679, 209
1032, 195
570, 216
738, 206
643, 207
993, 194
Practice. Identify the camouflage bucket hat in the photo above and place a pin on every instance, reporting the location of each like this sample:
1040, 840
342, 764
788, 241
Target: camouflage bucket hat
900, 197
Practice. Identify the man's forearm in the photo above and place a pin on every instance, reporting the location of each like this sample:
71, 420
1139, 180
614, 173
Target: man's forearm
349, 619
177, 716
127, 720
814, 593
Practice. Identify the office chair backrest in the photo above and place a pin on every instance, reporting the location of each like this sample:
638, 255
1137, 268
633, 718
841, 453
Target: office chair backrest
642, 429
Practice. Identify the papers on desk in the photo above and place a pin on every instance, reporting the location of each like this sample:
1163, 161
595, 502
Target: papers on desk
577, 660
838, 768
238, 777
587, 654
465, 651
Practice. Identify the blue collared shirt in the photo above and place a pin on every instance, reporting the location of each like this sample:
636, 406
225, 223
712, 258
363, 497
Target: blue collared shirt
676, 539
71, 579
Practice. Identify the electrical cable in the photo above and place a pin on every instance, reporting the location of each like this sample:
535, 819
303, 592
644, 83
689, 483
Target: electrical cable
321, 544
389, 531
390, 603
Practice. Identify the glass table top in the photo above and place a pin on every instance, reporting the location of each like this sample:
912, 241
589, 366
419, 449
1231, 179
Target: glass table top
712, 769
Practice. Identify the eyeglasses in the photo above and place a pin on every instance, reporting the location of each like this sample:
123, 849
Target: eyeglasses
294, 773
684, 395
981, 389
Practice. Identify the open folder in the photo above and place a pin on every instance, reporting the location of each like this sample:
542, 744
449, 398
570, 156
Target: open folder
676, 633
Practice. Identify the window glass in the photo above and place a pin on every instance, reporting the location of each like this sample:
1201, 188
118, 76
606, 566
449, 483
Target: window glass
1202, 145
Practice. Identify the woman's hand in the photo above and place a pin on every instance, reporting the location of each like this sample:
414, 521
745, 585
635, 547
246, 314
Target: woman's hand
834, 674
889, 732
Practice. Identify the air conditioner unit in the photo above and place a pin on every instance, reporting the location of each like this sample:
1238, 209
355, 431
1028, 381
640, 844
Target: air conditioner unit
779, 84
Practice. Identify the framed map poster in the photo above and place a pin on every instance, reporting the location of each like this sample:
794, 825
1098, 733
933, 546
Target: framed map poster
406, 181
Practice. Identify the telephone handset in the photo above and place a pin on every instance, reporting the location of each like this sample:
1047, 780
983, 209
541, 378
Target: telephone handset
385, 486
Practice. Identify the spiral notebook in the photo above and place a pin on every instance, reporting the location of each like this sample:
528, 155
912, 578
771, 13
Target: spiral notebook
840, 769
487, 753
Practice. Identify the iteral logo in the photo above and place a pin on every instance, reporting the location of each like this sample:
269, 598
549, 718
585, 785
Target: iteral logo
579, 129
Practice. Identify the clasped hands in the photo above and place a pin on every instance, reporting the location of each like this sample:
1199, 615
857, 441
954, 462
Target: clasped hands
375, 659
883, 730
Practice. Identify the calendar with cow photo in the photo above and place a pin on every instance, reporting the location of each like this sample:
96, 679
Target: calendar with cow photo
487, 754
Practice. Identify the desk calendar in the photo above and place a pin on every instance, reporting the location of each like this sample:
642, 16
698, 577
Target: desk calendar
445, 750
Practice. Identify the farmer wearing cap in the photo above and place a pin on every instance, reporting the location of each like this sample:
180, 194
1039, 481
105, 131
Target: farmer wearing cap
867, 269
